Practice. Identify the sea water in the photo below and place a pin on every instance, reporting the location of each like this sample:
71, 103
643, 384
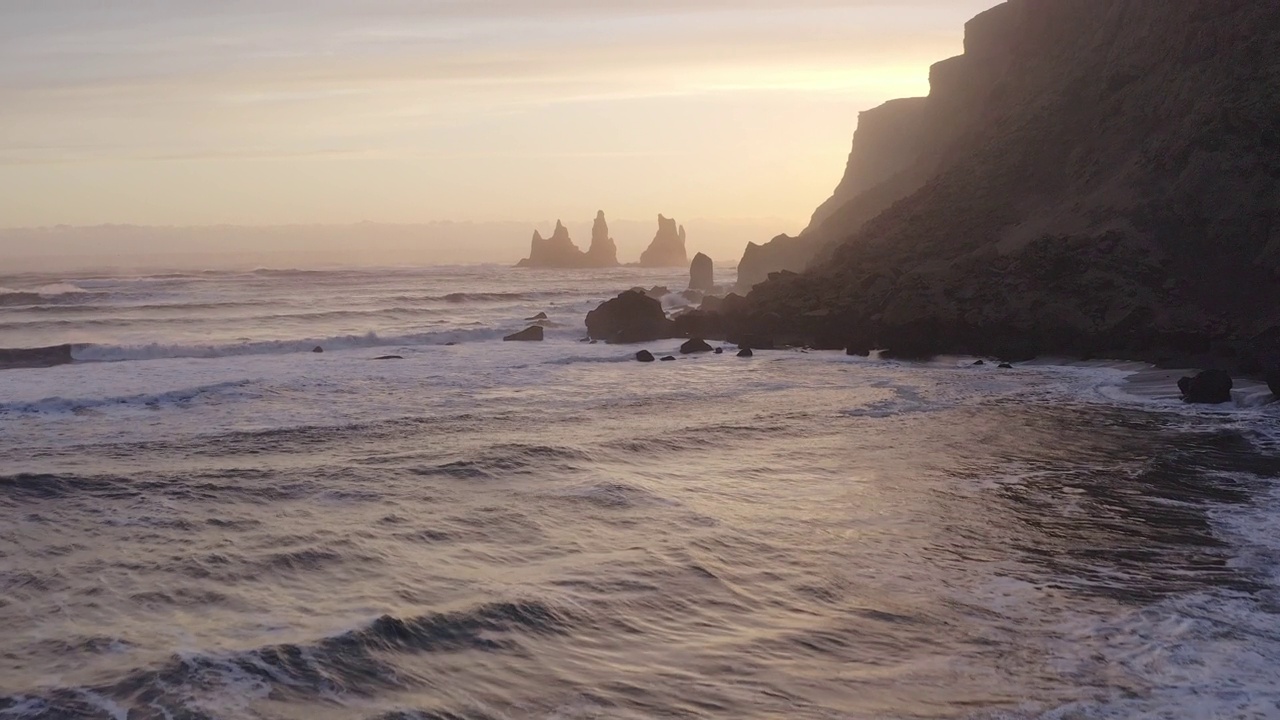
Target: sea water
202, 518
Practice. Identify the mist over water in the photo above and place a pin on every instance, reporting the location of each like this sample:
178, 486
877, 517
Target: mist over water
204, 519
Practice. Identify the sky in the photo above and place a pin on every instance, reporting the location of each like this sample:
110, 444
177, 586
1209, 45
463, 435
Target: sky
195, 112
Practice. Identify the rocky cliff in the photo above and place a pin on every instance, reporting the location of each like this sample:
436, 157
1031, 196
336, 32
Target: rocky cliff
558, 251
667, 248
603, 251
1107, 182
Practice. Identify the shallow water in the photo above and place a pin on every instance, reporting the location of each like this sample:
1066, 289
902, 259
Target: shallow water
219, 524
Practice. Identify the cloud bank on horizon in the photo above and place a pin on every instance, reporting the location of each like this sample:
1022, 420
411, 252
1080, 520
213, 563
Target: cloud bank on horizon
277, 111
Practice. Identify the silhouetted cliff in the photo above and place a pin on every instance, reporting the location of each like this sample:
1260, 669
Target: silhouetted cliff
558, 251
1096, 177
668, 246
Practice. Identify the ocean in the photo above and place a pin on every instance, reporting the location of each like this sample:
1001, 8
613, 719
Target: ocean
201, 518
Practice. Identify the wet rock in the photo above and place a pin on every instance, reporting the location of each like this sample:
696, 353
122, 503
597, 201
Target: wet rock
696, 345
317, 349
745, 352
980, 362
539, 316
632, 317
858, 351
1210, 387
701, 273
1005, 366
644, 356
533, 333
389, 357
711, 303
668, 359
719, 351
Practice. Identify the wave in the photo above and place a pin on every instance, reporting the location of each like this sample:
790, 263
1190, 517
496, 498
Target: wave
159, 351
352, 664
52, 293
148, 400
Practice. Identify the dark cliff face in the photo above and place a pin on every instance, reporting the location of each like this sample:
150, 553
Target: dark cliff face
1109, 178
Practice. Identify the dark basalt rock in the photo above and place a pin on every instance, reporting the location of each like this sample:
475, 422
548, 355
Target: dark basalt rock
745, 352
317, 349
533, 333
1273, 382
696, 345
539, 316
668, 359
1005, 366
701, 273
35, 357
1210, 387
719, 351
980, 362
858, 351
389, 357
644, 356
632, 317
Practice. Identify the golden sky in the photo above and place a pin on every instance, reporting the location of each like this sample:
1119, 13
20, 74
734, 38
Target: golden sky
194, 112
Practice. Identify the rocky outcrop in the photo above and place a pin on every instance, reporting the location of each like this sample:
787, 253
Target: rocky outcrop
533, 333
631, 317
1210, 387
35, 357
667, 248
645, 356
1099, 178
603, 251
558, 251
702, 275
781, 253
696, 345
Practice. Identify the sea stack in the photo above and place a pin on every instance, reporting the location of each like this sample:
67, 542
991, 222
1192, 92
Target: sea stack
667, 248
557, 251
702, 273
603, 252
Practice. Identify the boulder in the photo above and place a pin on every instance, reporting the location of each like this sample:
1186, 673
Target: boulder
539, 316
668, 359
1210, 387
719, 351
657, 292
1005, 366
317, 349
533, 333
632, 317
858, 351
644, 356
389, 357
696, 345
745, 352
981, 362
711, 303
701, 273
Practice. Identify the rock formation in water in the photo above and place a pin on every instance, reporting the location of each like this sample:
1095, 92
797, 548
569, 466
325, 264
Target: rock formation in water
702, 274
631, 317
667, 248
603, 251
533, 333
1098, 177
558, 251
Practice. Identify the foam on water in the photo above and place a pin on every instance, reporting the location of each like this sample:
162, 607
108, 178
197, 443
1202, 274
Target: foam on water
229, 525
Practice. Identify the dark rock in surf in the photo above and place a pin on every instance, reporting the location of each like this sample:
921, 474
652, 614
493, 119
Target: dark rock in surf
35, 357
858, 351
632, 317
644, 356
711, 303
389, 357
980, 362
317, 349
1005, 366
539, 316
696, 345
1273, 382
668, 358
745, 353
701, 273
533, 333
1210, 387
719, 351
